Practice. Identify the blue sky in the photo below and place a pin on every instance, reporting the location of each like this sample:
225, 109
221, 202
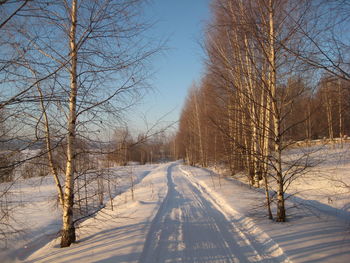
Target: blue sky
182, 23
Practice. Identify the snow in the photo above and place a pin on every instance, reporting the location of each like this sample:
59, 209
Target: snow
309, 236
327, 185
318, 224
189, 227
36, 214
187, 214
114, 236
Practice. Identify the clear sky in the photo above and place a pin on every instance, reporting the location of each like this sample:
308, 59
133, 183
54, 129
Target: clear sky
182, 23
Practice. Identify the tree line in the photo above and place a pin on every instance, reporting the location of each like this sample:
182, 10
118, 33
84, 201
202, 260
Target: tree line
277, 72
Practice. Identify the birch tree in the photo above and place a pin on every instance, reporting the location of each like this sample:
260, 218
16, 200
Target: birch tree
88, 62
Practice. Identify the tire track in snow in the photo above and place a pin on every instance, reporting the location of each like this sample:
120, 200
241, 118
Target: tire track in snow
189, 227
269, 251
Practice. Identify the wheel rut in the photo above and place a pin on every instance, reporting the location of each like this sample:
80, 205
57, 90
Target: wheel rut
189, 227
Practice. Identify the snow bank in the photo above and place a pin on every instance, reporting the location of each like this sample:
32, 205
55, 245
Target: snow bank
118, 235
310, 235
37, 217
247, 225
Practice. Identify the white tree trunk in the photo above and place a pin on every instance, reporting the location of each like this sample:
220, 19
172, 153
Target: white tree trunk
281, 213
68, 230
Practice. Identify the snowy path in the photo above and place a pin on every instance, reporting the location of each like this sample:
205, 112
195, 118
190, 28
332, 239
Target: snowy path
179, 213
172, 219
189, 227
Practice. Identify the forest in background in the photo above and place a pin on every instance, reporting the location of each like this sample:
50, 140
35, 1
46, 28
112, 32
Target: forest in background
277, 73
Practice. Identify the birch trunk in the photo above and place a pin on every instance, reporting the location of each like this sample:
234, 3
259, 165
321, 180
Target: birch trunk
230, 113
281, 212
308, 122
252, 109
265, 126
340, 112
49, 145
329, 112
68, 229
199, 129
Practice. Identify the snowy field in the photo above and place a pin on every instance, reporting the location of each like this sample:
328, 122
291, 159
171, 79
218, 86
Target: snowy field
325, 184
35, 212
186, 214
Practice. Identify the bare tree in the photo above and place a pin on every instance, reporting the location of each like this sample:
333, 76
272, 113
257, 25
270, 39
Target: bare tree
87, 61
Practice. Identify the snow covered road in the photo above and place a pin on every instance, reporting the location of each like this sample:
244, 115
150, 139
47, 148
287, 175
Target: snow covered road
179, 213
172, 219
190, 228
